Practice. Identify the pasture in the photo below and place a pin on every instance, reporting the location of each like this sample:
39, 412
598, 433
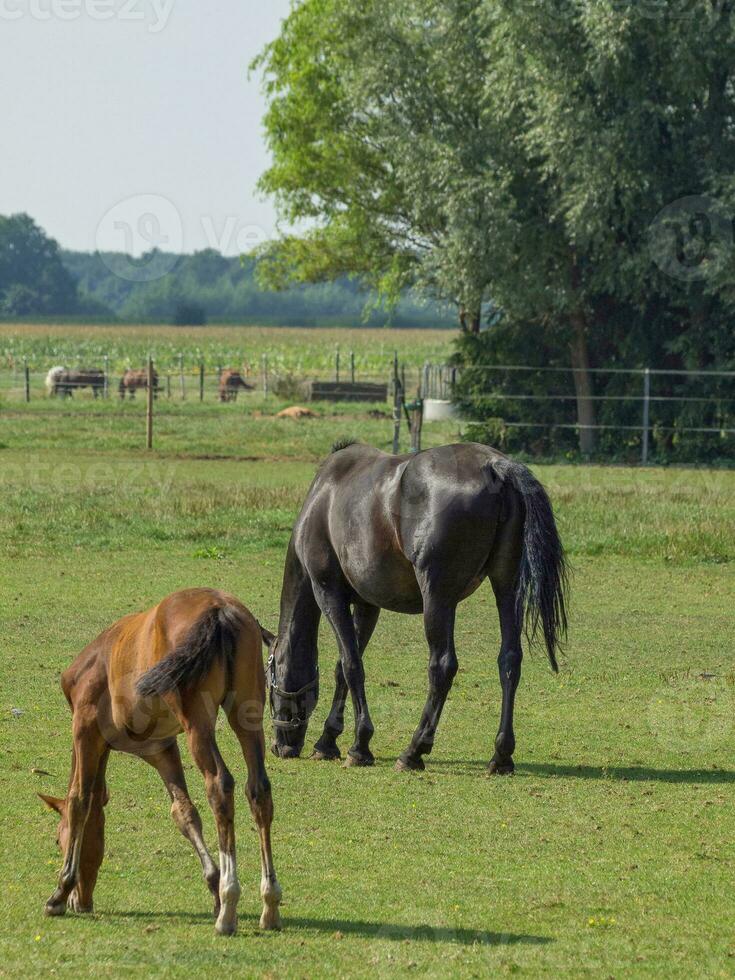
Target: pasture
609, 853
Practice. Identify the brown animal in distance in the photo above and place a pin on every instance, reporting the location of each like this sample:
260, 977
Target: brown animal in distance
146, 679
230, 383
132, 381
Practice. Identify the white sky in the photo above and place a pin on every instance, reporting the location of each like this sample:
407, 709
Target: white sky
106, 100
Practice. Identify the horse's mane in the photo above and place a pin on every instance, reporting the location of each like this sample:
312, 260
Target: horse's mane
342, 444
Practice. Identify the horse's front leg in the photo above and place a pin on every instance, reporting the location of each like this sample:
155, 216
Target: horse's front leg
337, 611
364, 619
439, 626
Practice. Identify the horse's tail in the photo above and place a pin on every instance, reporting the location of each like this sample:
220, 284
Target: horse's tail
543, 580
213, 636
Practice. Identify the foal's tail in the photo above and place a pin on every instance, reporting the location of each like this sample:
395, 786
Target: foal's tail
543, 580
213, 636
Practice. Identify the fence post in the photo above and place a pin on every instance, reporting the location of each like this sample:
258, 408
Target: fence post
265, 375
352, 366
646, 413
397, 406
181, 377
424, 392
27, 379
106, 389
149, 406
168, 387
201, 381
336, 365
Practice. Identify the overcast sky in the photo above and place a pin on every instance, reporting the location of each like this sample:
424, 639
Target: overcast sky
127, 123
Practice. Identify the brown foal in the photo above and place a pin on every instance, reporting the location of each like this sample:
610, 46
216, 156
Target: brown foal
134, 689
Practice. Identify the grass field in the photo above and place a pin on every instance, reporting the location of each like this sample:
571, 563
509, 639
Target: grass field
610, 853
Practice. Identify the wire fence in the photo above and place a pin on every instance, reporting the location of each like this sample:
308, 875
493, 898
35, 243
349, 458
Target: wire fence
640, 405
183, 379
642, 401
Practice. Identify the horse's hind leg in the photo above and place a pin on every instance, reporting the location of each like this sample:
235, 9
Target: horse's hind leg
252, 742
184, 814
365, 619
89, 751
439, 626
220, 792
509, 666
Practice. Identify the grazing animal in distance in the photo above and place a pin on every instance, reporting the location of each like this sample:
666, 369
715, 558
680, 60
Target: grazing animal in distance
230, 383
52, 379
60, 381
132, 381
413, 534
134, 689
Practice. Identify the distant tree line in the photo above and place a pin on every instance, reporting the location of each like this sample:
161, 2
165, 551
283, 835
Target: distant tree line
38, 279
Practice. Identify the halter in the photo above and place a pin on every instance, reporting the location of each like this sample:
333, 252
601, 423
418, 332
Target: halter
273, 688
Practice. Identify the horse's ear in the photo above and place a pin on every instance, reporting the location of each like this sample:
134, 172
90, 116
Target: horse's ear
268, 637
54, 803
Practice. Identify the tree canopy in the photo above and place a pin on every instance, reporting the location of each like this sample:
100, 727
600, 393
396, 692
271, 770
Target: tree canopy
33, 279
514, 155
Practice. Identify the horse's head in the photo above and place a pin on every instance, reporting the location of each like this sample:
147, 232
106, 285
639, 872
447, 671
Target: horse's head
62, 829
293, 692
93, 846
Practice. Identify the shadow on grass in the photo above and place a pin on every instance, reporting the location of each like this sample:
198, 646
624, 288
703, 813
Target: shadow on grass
639, 774
366, 930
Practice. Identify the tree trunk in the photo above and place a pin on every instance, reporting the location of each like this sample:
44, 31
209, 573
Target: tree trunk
583, 383
476, 322
463, 319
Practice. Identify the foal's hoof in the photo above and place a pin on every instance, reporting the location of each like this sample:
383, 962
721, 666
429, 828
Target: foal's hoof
358, 760
270, 920
226, 927
406, 763
55, 908
500, 767
76, 906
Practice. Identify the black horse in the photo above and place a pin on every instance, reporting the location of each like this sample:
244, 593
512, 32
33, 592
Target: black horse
414, 534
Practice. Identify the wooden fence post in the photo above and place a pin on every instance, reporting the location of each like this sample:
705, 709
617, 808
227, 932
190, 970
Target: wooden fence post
336, 365
27, 379
181, 377
265, 375
149, 406
106, 389
352, 366
397, 406
201, 381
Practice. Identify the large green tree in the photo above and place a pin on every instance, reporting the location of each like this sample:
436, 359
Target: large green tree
519, 152
33, 279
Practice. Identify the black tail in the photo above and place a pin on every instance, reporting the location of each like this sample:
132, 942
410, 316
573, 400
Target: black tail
214, 635
544, 577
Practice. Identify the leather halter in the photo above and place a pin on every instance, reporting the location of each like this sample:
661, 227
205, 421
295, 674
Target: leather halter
273, 688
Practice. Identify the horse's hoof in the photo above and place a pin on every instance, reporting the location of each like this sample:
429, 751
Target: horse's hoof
270, 920
318, 755
228, 927
354, 760
406, 764
55, 908
497, 767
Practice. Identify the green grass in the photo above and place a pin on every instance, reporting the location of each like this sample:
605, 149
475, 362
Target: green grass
610, 853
